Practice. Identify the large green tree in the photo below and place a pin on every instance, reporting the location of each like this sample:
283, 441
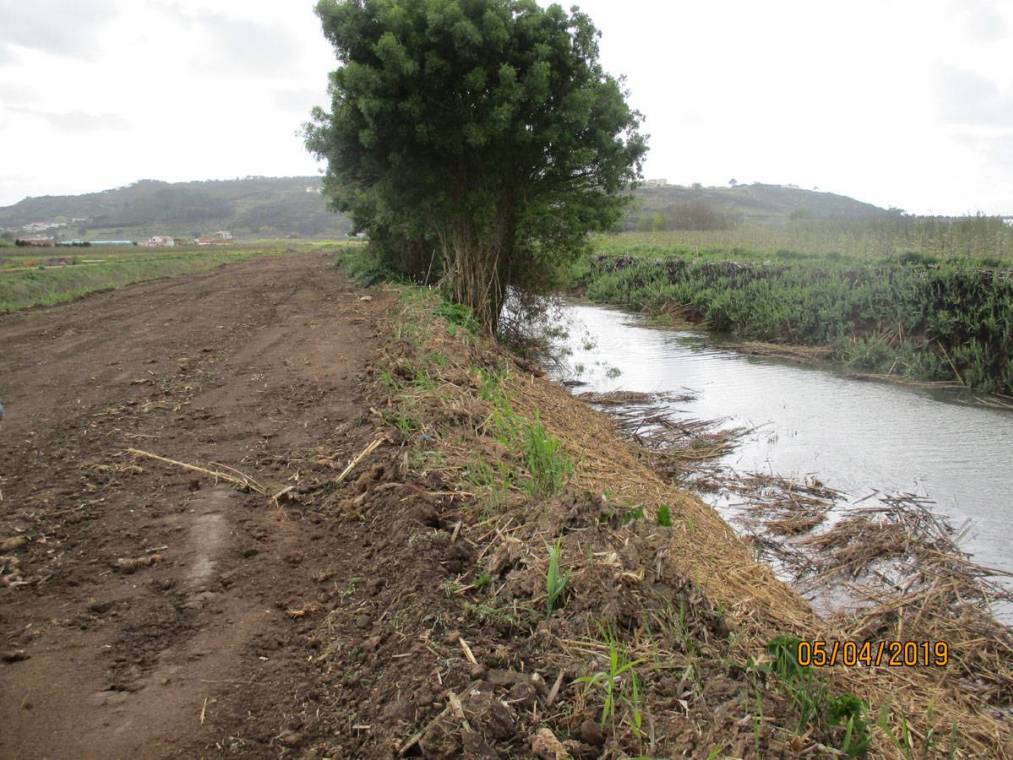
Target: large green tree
482, 132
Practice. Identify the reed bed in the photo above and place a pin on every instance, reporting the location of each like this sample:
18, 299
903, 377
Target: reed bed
950, 322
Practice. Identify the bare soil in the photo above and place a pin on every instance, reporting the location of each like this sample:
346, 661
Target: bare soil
147, 611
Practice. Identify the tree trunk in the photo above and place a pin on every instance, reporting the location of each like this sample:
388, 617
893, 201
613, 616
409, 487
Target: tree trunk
474, 259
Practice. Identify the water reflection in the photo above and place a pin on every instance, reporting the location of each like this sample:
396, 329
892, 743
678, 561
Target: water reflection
853, 436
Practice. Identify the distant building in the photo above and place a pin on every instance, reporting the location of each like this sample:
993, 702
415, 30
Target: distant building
42, 226
114, 242
656, 183
161, 241
1008, 220
222, 237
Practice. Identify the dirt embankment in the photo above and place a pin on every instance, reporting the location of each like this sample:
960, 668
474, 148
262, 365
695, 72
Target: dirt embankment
497, 575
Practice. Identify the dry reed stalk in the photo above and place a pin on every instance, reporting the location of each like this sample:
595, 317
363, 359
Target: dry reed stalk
242, 481
360, 456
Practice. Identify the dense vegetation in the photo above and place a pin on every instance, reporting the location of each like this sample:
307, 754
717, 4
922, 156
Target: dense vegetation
482, 136
261, 207
909, 315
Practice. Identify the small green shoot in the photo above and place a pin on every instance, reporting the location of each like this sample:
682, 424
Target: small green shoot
814, 704
555, 581
618, 683
388, 380
405, 424
902, 742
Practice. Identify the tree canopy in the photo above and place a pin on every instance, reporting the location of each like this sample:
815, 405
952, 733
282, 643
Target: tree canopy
482, 135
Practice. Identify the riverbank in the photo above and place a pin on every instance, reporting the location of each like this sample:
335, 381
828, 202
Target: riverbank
538, 488
943, 322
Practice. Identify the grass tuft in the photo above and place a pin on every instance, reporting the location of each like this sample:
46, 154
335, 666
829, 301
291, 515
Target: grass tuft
546, 461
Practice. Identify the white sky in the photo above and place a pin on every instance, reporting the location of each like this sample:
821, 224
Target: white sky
898, 102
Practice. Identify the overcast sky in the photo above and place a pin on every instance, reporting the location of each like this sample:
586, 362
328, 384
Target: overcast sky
903, 103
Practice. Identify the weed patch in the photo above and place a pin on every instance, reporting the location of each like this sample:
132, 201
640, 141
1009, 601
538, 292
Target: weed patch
845, 715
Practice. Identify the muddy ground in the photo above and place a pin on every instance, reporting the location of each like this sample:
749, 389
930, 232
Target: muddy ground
146, 611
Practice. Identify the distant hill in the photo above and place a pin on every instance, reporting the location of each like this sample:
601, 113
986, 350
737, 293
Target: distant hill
254, 207
282, 207
697, 207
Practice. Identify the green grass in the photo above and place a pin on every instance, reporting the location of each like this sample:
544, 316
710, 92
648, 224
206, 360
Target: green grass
43, 285
457, 315
897, 731
546, 461
947, 321
491, 484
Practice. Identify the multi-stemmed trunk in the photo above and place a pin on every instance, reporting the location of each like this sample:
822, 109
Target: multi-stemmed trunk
475, 257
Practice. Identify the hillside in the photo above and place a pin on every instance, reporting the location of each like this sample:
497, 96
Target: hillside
254, 207
701, 208
266, 207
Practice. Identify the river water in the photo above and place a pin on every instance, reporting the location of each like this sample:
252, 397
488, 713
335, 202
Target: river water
854, 436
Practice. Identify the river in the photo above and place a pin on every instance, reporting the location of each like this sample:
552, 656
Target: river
854, 436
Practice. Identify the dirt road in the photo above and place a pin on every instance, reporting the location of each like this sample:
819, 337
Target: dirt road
146, 611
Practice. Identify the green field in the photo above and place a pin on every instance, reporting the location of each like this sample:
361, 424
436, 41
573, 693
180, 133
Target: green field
939, 311
27, 278
986, 240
